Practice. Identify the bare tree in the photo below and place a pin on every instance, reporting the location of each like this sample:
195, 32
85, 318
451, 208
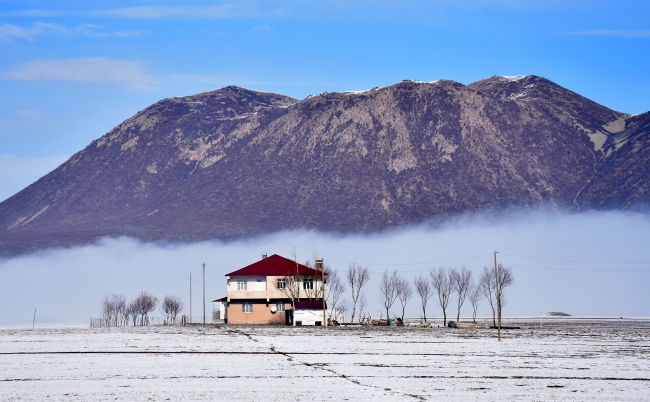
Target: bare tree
388, 290
107, 309
441, 283
119, 304
461, 283
505, 279
335, 289
344, 307
357, 276
404, 293
474, 298
488, 287
114, 310
171, 306
362, 306
291, 282
312, 284
423, 287
133, 310
145, 303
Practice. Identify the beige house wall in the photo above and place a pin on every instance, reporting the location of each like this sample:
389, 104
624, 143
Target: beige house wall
261, 313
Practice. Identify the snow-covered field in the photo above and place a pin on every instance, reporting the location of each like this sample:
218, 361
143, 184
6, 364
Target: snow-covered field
564, 360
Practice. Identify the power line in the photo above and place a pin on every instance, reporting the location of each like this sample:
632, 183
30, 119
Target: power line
412, 263
578, 262
579, 269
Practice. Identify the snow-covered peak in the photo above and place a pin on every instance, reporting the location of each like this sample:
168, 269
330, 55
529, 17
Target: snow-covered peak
511, 78
356, 92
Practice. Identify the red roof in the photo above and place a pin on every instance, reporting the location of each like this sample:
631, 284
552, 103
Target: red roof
309, 305
223, 299
275, 265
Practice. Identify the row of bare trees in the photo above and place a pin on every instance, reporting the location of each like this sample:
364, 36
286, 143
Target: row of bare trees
116, 311
445, 282
441, 282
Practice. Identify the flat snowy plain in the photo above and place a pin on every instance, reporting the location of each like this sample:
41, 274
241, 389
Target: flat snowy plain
566, 359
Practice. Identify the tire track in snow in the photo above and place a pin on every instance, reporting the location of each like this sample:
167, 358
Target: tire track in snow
317, 366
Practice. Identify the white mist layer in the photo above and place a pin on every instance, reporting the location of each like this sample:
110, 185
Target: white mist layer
67, 285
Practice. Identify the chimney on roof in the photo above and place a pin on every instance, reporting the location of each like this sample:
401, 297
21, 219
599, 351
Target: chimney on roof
264, 256
319, 265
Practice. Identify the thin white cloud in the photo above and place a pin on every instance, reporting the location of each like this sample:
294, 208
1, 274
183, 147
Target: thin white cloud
228, 10
262, 29
28, 114
642, 33
9, 32
132, 74
217, 11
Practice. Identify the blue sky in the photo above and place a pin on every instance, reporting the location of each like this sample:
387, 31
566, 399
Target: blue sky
72, 70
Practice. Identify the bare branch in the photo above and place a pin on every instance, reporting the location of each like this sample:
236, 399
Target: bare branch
388, 290
335, 289
171, 306
461, 282
357, 276
474, 298
423, 287
441, 283
487, 285
404, 293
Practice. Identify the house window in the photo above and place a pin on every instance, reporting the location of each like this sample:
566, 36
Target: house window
282, 283
308, 284
247, 308
242, 284
279, 306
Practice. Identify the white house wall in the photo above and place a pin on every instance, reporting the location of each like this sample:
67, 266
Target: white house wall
308, 317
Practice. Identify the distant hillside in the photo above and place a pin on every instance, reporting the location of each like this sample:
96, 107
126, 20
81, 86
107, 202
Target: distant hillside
236, 162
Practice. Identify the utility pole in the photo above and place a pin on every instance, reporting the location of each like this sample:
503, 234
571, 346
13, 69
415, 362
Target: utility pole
191, 297
498, 294
321, 263
203, 293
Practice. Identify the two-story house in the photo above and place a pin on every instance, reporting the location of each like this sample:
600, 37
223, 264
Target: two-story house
267, 292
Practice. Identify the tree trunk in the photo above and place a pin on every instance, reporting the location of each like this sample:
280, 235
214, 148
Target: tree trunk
444, 314
494, 318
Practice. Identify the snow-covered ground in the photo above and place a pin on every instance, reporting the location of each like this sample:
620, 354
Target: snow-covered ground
566, 359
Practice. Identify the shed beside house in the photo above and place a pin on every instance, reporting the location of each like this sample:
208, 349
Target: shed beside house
220, 311
309, 312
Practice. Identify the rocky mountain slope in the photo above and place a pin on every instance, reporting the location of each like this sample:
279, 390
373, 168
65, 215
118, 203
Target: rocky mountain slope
235, 162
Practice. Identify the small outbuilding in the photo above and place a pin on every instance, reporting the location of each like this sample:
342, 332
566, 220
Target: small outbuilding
309, 312
220, 311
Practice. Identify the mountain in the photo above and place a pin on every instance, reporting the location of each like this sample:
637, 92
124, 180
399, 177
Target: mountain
234, 162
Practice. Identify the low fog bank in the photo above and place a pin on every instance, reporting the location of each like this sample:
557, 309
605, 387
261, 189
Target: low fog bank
67, 285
